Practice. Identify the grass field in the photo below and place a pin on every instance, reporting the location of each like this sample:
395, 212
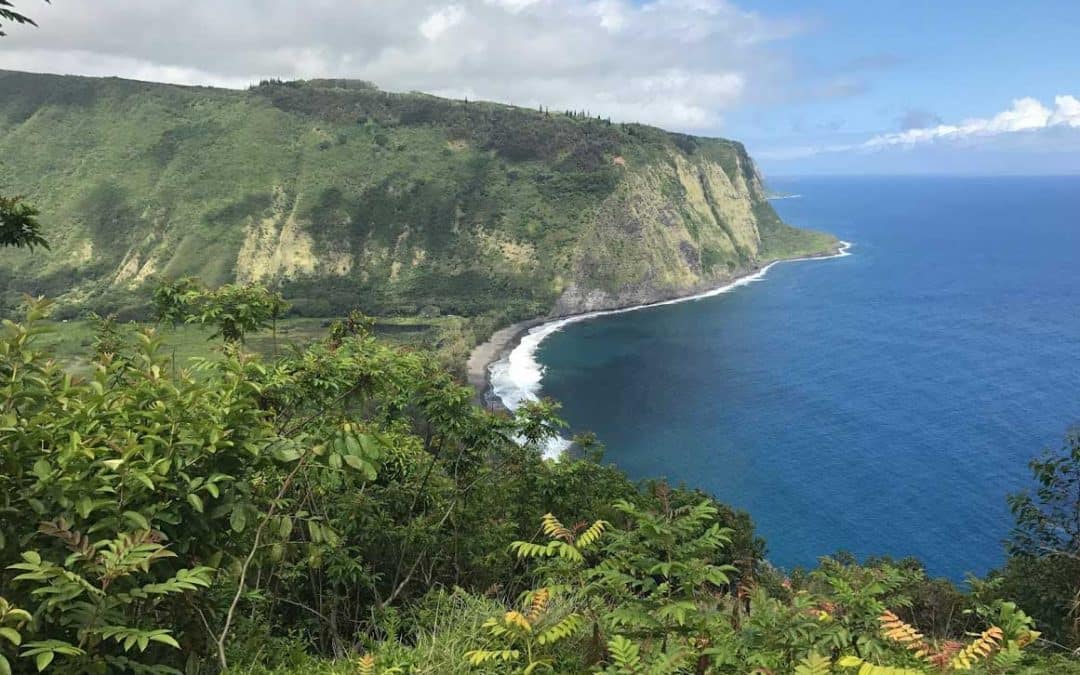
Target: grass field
72, 341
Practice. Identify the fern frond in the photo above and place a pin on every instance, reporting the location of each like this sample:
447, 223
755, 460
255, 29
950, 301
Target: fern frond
568, 551
73, 539
538, 605
625, 654
478, 657
867, 668
980, 648
527, 549
535, 666
591, 535
365, 665
555, 529
516, 618
631, 617
895, 629
185, 580
133, 637
668, 662
814, 664
130, 552
677, 610
562, 630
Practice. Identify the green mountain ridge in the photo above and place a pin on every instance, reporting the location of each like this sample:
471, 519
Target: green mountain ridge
343, 196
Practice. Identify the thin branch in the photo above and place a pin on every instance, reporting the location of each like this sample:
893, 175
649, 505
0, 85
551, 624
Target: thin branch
251, 556
303, 606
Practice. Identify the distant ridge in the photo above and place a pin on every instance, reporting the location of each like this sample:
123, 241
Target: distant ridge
344, 195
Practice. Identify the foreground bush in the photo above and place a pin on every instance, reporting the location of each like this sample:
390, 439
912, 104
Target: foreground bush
346, 508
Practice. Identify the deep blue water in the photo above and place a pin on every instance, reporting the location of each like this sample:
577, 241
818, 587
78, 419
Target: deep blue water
881, 403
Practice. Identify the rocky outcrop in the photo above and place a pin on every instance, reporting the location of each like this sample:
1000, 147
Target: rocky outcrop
672, 228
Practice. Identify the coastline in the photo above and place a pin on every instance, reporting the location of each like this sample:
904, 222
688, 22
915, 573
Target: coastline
496, 347
499, 347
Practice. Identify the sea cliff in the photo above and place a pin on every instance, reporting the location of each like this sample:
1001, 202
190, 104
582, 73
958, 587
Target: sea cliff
346, 196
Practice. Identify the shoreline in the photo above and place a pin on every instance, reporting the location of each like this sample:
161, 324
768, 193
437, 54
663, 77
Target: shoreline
504, 341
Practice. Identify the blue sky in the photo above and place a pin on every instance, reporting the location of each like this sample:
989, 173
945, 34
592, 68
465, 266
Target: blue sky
834, 86
901, 64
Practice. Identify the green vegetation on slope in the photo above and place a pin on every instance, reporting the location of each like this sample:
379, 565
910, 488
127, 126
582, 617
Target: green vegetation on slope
344, 196
345, 509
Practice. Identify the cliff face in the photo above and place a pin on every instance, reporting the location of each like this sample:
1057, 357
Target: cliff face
346, 196
672, 227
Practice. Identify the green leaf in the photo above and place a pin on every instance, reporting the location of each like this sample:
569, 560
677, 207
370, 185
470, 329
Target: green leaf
42, 469
137, 519
355, 462
43, 660
166, 639
5, 667
11, 635
238, 519
352, 446
195, 501
285, 454
285, 526
370, 446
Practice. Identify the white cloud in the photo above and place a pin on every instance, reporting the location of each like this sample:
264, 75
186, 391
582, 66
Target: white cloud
1028, 128
1067, 111
1026, 114
441, 21
512, 5
676, 63
611, 13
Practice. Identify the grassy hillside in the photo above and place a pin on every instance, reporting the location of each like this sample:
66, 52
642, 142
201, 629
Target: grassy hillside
347, 196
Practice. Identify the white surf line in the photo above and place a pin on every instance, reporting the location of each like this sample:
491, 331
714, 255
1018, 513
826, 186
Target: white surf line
772, 199
516, 377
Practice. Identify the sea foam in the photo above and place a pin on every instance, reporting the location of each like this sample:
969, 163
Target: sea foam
516, 377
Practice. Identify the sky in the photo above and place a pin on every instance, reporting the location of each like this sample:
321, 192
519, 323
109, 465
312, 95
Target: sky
835, 86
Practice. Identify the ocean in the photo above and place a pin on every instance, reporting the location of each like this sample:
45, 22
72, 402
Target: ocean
883, 403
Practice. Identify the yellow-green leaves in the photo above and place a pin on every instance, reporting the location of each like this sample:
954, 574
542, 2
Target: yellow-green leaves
356, 449
11, 635
814, 664
137, 520
285, 454
195, 501
530, 633
11, 620
44, 651
238, 518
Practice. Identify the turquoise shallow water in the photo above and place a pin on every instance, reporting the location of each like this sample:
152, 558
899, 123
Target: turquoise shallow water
881, 403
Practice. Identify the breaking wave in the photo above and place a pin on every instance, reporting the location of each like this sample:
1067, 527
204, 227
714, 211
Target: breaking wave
517, 376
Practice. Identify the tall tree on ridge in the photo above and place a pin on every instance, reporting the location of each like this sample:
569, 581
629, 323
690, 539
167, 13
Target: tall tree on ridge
18, 220
18, 224
8, 13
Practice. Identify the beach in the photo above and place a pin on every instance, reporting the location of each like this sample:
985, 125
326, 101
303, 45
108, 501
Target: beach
494, 348
504, 372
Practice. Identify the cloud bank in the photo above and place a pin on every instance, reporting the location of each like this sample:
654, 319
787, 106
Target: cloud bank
675, 63
1025, 114
1026, 126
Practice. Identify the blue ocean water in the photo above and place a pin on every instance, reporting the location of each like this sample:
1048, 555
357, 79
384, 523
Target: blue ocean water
880, 403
